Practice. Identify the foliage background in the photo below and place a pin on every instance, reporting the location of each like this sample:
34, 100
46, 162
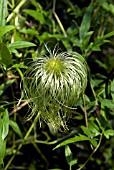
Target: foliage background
83, 26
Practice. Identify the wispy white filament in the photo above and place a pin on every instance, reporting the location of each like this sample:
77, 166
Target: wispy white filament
55, 83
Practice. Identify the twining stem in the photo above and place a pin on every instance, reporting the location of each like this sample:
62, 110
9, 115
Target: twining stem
25, 138
92, 153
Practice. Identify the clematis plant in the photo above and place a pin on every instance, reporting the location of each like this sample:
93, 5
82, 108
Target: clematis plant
55, 82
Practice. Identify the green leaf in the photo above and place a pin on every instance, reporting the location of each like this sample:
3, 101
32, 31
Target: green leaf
72, 140
3, 12
94, 129
108, 133
3, 133
5, 129
108, 103
86, 22
5, 29
94, 142
2, 150
101, 64
86, 39
5, 85
36, 14
5, 56
73, 162
101, 40
107, 35
19, 66
86, 131
93, 47
29, 31
76, 41
15, 127
102, 122
107, 6
112, 89
79, 117
68, 154
20, 44
69, 158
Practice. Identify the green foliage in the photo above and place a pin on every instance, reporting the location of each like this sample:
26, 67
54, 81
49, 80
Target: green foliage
80, 26
5, 56
4, 129
69, 158
3, 12
5, 29
15, 127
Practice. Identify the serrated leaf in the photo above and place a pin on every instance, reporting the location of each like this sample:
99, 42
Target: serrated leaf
15, 127
5, 56
72, 140
20, 44
108, 133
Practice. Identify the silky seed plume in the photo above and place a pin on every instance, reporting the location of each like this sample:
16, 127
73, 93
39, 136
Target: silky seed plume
55, 83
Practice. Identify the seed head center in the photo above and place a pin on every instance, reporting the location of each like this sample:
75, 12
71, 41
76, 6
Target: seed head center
54, 65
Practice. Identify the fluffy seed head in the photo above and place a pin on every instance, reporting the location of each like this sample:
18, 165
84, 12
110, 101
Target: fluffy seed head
55, 83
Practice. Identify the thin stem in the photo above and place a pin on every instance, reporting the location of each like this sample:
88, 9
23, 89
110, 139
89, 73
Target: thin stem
92, 153
58, 20
92, 88
19, 107
25, 138
40, 152
85, 112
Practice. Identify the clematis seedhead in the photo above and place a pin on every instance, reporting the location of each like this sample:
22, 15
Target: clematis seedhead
55, 83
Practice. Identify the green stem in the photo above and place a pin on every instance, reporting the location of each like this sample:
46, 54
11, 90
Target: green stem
85, 112
70, 167
94, 94
21, 144
92, 153
16, 9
